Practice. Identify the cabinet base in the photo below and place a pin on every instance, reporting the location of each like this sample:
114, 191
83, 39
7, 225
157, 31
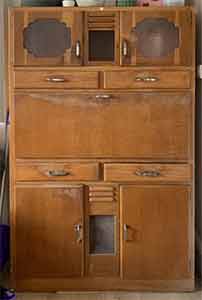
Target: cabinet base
101, 284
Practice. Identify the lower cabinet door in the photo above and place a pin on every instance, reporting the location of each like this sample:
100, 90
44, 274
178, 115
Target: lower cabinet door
156, 238
48, 234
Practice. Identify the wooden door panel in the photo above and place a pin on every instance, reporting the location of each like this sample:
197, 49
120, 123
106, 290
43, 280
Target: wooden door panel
47, 37
157, 37
139, 125
45, 236
156, 241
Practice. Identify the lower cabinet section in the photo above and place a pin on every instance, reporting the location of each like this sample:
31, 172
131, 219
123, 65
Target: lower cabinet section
49, 231
121, 236
155, 224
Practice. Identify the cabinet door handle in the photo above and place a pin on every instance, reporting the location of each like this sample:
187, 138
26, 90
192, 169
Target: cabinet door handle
56, 79
146, 79
79, 232
125, 232
58, 173
78, 49
148, 173
124, 48
103, 97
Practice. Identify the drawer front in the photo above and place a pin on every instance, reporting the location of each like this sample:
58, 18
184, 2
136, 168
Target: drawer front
57, 171
147, 172
56, 79
147, 79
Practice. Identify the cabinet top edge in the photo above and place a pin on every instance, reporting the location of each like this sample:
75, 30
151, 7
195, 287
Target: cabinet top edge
99, 9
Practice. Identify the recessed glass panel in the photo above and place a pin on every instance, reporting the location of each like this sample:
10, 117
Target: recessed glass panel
47, 38
102, 240
101, 45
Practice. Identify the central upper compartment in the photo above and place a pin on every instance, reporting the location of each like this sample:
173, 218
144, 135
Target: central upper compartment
102, 36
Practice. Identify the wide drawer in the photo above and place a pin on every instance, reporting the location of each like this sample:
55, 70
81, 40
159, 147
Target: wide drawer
56, 79
57, 171
150, 172
147, 79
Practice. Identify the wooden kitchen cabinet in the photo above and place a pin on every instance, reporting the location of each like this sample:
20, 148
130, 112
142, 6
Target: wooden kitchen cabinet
49, 231
102, 143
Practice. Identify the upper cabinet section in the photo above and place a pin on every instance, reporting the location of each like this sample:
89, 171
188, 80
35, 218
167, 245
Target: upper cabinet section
48, 38
108, 36
157, 37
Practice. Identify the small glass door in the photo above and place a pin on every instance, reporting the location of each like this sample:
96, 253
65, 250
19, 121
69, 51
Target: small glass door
101, 38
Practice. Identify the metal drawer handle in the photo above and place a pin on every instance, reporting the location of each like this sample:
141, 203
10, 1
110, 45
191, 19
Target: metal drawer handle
148, 173
58, 173
103, 97
79, 232
125, 48
55, 79
125, 232
146, 79
78, 49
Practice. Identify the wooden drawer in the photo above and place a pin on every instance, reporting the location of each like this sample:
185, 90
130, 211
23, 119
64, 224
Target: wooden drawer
57, 171
56, 79
147, 172
147, 79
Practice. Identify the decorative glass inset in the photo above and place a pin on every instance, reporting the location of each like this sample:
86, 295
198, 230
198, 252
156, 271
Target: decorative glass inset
155, 37
102, 239
47, 38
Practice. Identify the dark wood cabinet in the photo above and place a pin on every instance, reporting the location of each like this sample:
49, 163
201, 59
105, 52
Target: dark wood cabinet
102, 144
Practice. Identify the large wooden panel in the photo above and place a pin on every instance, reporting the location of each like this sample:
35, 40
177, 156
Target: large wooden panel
149, 125
156, 225
47, 224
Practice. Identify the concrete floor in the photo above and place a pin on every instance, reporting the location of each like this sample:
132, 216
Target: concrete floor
112, 296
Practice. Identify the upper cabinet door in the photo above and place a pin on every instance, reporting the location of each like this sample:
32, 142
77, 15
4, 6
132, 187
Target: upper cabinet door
157, 37
47, 38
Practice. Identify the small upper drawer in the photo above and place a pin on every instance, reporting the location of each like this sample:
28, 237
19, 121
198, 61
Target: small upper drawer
147, 79
57, 171
56, 79
147, 172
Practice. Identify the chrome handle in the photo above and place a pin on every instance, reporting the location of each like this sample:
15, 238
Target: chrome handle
125, 232
55, 79
79, 232
57, 173
146, 79
148, 173
125, 48
78, 49
104, 97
